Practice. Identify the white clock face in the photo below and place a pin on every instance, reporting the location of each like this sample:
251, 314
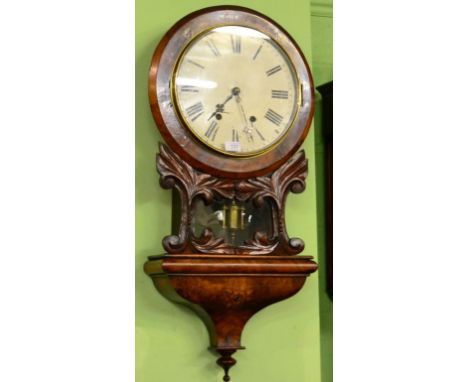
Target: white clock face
236, 90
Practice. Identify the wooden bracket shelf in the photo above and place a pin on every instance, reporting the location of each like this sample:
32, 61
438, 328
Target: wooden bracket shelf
226, 291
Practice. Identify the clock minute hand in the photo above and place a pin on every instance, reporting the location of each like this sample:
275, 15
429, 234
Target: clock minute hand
242, 111
246, 130
252, 119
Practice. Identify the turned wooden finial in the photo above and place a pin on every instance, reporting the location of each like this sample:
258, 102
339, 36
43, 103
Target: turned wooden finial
226, 361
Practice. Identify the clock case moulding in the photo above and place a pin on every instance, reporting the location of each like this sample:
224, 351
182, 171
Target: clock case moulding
224, 283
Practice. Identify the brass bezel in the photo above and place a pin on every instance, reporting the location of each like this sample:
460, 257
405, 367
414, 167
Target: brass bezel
183, 120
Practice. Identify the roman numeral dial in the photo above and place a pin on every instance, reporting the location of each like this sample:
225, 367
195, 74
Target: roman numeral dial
273, 70
195, 111
189, 88
212, 131
213, 47
273, 117
281, 94
236, 91
236, 44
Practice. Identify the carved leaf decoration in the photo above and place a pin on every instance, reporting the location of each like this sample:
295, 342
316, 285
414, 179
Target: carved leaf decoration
209, 244
290, 177
206, 185
208, 238
255, 248
171, 168
191, 183
254, 188
261, 240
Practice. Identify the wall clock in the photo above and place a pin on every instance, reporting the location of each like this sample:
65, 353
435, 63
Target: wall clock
232, 95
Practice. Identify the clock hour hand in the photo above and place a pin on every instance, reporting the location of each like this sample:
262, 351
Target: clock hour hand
217, 113
220, 106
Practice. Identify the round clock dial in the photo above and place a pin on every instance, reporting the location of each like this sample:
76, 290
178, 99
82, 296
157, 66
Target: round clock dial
236, 90
231, 92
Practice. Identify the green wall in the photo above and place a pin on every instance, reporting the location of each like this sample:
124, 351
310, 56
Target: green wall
321, 24
283, 340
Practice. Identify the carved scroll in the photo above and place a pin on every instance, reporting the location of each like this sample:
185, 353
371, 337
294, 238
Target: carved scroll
259, 245
190, 183
176, 173
289, 177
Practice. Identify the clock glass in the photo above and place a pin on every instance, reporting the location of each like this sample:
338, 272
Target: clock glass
236, 90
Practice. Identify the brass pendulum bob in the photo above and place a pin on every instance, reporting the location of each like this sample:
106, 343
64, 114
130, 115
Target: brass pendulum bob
233, 220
